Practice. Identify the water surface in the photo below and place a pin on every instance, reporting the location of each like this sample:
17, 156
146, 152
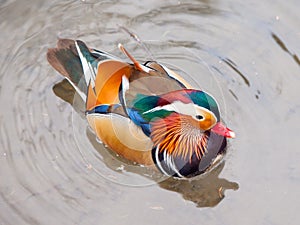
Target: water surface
245, 53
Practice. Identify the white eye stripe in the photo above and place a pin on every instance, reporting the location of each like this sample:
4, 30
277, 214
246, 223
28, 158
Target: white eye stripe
176, 106
189, 109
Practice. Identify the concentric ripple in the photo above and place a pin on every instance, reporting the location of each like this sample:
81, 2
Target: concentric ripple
49, 152
53, 170
104, 161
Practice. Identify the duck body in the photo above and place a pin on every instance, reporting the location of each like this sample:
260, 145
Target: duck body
146, 113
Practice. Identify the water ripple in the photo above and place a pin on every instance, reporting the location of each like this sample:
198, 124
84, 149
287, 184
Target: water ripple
284, 48
54, 170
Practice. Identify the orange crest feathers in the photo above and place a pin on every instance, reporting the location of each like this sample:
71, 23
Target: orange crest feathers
177, 137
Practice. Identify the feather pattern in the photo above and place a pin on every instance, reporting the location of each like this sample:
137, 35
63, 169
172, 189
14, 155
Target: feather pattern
169, 123
176, 136
87, 62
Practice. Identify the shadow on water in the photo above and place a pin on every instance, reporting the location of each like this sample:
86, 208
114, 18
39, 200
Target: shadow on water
205, 190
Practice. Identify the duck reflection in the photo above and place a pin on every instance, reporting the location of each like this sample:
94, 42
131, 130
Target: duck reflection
66, 92
204, 190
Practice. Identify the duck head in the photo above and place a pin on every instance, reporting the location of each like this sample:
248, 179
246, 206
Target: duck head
185, 128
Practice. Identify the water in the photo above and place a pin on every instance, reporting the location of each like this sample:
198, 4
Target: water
246, 53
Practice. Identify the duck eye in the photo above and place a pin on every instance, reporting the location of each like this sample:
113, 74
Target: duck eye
199, 117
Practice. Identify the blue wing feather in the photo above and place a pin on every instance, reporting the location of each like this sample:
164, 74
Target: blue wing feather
104, 108
135, 116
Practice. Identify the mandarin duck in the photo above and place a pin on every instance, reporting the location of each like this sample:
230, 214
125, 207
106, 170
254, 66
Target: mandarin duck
145, 113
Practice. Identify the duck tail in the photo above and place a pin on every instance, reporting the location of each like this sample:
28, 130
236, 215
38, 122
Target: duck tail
74, 60
65, 59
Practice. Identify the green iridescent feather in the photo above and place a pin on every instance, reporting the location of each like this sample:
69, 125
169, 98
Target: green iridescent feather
144, 103
204, 100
